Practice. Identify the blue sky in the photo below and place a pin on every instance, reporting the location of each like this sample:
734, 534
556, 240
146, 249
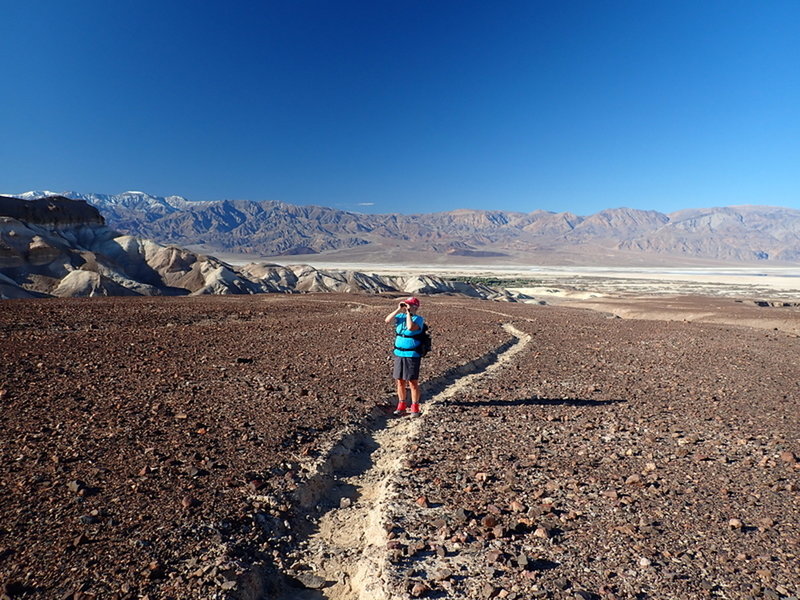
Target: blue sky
413, 106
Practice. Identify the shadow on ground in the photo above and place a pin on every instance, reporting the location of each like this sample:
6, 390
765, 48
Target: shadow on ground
533, 402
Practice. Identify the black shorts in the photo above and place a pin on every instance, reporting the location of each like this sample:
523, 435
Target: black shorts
406, 367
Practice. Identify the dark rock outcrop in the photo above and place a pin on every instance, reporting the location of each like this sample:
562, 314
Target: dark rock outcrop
50, 211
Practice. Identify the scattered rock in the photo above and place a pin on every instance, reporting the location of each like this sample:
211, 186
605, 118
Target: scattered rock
310, 580
493, 556
419, 589
635, 479
562, 583
766, 523
189, 502
443, 574
89, 519
542, 532
155, 570
76, 486
735, 524
489, 521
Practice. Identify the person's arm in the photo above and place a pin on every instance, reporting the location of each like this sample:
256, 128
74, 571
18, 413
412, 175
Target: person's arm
390, 317
410, 324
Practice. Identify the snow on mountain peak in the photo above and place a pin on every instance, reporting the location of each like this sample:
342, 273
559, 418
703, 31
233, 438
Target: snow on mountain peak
32, 195
110, 203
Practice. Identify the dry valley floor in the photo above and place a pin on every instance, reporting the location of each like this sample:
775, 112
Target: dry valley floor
242, 447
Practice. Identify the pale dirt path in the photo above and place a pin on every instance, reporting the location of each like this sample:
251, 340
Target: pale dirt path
349, 546
715, 311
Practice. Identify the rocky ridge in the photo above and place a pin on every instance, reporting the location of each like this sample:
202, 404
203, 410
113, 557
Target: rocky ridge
270, 228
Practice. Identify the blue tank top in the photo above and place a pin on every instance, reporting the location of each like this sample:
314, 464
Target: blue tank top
404, 346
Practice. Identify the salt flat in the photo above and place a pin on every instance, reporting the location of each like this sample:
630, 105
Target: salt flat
583, 282
751, 296
775, 282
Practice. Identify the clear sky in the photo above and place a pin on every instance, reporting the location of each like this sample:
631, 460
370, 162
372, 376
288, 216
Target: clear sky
406, 106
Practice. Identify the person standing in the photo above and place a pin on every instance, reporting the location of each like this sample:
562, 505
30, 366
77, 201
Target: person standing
408, 326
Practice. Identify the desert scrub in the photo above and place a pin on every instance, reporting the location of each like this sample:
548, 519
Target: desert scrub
510, 282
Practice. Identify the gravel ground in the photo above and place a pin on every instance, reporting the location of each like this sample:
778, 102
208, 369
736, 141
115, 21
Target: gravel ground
611, 459
152, 448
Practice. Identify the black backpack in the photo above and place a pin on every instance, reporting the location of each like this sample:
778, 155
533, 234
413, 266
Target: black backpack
425, 341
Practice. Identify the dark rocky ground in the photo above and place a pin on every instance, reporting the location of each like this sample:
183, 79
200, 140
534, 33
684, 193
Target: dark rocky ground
151, 448
613, 459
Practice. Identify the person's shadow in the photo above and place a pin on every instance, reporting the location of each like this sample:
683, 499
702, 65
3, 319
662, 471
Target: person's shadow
535, 401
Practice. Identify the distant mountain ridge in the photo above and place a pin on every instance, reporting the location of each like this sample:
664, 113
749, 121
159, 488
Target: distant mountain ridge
271, 228
57, 246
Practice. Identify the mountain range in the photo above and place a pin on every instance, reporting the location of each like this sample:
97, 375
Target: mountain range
743, 234
56, 246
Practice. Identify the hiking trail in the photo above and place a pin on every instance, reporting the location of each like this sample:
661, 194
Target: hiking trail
345, 555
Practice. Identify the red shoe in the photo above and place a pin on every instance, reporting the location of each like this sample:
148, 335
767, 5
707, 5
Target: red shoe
401, 409
415, 410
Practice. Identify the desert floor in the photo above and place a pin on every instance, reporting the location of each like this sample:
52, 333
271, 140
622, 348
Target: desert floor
243, 447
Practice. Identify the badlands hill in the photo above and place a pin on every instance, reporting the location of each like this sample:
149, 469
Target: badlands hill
614, 236
60, 247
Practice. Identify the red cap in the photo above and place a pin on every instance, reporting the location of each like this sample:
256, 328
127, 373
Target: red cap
412, 301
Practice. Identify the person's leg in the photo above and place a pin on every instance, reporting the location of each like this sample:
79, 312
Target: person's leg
413, 383
400, 385
401, 395
401, 389
415, 395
